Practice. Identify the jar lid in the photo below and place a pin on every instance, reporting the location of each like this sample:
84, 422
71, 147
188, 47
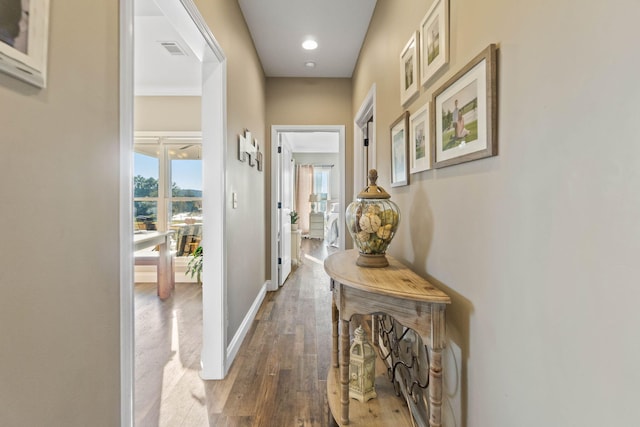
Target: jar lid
372, 191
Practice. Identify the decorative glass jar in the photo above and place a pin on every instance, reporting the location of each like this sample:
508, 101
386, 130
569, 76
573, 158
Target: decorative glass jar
372, 221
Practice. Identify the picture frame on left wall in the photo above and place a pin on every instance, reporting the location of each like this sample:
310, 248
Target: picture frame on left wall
24, 37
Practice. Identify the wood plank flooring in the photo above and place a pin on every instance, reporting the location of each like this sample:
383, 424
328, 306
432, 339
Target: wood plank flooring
278, 378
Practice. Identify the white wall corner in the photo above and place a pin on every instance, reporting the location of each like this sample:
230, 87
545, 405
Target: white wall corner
238, 338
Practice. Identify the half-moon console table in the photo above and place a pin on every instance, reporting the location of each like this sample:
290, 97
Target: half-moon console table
398, 292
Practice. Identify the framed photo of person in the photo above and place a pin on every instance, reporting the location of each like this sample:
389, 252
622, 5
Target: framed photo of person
409, 70
399, 152
419, 137
464, 117
434, 40
24, 30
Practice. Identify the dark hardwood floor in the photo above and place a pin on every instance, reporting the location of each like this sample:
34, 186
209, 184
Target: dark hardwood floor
278, 377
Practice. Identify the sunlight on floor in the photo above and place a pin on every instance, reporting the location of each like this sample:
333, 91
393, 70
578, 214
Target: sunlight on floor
314, 259
184, 381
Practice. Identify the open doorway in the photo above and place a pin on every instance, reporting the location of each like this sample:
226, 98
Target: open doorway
308, 164
198, 41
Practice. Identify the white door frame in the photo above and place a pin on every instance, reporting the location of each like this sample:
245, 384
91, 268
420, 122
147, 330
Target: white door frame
213, 358
366, 111
275, 172
284, 223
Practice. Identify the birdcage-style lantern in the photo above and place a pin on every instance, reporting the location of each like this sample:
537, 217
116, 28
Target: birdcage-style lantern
362, 368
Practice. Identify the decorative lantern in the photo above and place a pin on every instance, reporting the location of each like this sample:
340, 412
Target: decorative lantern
372, 221
362, 368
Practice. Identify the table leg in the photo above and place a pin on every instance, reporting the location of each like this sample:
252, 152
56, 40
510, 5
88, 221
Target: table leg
344, 371
375, 332
334, 320
164, 270
435, 366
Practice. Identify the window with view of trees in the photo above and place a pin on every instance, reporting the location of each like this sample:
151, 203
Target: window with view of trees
145, 191
167, 189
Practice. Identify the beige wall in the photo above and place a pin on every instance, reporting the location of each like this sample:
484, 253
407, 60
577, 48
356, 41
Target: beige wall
167, 113
59, 273
301, 101
246, 271
538, 246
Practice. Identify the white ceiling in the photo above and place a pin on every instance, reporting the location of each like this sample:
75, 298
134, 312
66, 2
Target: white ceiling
156, 71
313, 142
278, 28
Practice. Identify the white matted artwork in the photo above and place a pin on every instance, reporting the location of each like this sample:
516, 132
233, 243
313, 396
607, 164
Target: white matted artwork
434, 40
464, 118
409, 70
399, 141
24, 29
419, 137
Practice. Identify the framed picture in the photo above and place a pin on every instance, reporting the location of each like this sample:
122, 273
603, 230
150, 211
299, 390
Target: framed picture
434, 40
24, 33
409, 70
464, 116
399, 145
419, 137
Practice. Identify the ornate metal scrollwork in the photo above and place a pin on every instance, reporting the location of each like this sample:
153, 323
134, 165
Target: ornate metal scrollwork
407, 361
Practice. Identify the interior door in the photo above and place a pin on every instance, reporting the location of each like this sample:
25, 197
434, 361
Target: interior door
286, 203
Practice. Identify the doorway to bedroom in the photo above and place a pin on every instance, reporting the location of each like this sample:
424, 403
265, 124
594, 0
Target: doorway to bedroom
308, 187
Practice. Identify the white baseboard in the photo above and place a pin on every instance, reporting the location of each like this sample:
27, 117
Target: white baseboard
269, 287
238, 338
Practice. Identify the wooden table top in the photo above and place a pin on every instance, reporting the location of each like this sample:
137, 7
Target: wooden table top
396, 280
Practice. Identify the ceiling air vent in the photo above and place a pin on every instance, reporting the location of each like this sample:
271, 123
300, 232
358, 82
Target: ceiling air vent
173, 48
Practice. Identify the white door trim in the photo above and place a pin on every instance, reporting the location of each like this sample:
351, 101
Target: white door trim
214, 270
125, 213
366, 111
275, 172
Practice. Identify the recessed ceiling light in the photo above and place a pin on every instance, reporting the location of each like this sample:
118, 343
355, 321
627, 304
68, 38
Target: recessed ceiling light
310, 64
309, 44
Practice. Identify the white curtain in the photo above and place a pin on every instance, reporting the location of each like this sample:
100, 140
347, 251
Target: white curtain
322, 186
304, 187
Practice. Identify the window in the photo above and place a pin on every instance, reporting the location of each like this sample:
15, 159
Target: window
322, 185
186, 183
168, 189
146, 188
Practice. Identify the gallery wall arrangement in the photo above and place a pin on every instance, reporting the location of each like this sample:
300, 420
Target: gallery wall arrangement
459, 122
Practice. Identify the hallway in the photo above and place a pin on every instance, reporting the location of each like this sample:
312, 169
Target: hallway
278, 377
